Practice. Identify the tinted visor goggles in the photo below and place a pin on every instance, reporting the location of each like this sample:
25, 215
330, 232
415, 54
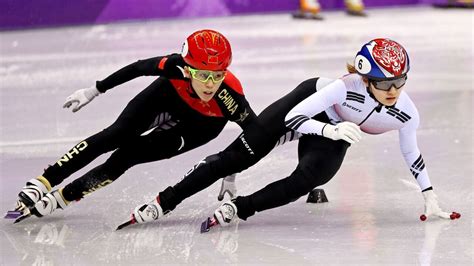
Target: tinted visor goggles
385, 85
205, 75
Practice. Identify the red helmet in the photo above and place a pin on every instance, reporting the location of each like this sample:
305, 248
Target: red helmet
207, 50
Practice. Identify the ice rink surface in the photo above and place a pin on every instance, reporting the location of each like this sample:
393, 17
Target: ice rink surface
374, 202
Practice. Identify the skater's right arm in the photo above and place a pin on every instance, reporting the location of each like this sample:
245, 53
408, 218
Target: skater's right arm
169, 66
299, 118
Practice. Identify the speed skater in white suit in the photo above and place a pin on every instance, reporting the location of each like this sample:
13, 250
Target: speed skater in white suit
369, 99
330, 116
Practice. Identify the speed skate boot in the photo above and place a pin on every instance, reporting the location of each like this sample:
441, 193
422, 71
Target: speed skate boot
223, 216
226, 213
49, 203
34, 190
309, 9
355, 8
144, 213
148, 212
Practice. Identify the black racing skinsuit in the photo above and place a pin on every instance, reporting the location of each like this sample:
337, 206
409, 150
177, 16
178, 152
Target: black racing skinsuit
165, 119
319, 160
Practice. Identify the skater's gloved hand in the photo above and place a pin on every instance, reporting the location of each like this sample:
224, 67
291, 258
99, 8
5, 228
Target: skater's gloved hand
432, 207
148, 212
81, 97
228, 186
347, 131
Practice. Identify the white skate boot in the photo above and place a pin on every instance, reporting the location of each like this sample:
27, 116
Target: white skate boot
223, 216
148, 212
226, 213
49, 203
33, 191
144, 213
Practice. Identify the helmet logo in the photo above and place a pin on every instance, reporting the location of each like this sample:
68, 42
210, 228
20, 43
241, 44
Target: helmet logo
390, 55
212, 59
185, 49
209, 42
362, 64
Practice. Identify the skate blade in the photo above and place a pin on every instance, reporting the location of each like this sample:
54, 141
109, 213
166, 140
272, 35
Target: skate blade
19, 210
207, 224
127, 223
23, 217
13, 214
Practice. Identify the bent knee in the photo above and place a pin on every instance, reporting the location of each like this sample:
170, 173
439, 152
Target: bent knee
231, 162
312, 179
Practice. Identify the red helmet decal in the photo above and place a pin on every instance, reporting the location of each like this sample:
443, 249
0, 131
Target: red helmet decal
208, 49
211, 42
390, 55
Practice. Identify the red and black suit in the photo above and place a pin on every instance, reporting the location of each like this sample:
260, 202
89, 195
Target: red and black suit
166, 119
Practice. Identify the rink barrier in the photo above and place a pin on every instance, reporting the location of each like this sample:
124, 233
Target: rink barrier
24, 14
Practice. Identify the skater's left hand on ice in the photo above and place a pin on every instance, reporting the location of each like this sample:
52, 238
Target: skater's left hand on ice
228, 186
432, 208
81, 98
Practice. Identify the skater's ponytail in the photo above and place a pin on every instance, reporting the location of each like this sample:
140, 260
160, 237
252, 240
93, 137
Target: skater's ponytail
351, 68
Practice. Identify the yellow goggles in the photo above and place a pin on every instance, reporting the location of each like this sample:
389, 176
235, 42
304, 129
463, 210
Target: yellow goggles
205, 75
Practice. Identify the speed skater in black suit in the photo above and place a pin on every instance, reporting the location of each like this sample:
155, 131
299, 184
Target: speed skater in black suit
186, 107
